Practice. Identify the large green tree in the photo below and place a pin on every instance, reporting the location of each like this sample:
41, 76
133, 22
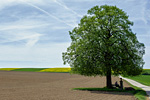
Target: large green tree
104, 44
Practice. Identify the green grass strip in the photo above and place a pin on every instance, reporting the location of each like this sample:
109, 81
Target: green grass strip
99, 89
138, 93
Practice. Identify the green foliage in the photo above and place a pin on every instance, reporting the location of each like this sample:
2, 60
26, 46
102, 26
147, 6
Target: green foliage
103, 42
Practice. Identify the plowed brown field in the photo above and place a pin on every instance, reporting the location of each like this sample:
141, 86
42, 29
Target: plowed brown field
54, 86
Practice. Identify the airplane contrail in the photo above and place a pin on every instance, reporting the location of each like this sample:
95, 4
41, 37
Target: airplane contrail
47, 13
67, 8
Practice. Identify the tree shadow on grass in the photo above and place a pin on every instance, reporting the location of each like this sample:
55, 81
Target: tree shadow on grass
110, 92
114, 91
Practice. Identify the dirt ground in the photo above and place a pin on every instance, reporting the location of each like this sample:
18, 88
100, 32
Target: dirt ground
54, 86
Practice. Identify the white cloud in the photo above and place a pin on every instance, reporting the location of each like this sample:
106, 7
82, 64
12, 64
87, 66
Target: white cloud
47, 55
4, 3
32, 40
47, 13
63, 5
146, 57
20, 27
138, 11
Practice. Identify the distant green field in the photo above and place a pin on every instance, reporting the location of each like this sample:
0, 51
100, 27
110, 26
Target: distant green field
62, 70
29, 69
146, 72
144, 78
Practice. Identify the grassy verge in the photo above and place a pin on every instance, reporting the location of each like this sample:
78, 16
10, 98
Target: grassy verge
138, 93
143, 79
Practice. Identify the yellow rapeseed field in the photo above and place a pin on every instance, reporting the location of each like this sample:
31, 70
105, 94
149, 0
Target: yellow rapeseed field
56, 70
8, 69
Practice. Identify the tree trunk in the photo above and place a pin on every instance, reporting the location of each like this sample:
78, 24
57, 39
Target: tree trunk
108, 78
108, 58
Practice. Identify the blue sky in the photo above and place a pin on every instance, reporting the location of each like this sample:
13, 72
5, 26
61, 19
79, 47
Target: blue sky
34, 33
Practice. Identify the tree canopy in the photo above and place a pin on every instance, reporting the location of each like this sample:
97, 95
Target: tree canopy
104, 44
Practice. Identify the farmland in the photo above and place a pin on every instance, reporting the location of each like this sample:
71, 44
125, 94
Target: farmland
64, 71
61, 70
143, 78
17, 85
